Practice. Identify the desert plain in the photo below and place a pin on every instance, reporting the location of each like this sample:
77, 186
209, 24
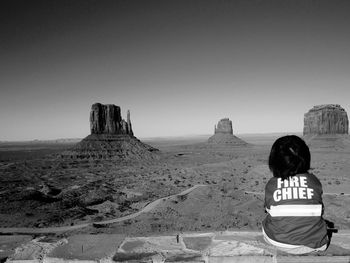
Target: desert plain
191, 186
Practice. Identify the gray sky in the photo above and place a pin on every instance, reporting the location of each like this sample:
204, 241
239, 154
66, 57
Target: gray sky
179, 66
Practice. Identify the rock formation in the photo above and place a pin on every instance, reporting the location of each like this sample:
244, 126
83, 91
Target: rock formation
223, 134
111, 137
326, 119
106, 119
224, 126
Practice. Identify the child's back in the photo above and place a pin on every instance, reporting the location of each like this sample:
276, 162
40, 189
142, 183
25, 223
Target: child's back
293, 200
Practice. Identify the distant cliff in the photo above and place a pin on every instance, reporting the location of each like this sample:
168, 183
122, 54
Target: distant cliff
326, 119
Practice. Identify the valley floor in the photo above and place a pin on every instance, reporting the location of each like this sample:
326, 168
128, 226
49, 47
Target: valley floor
47, 190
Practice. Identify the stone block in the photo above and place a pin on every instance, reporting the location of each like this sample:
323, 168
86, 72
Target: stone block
234, 248
135, 257
312, 259
186, 257
87, 248
151, 244
241, 259
199, 243
8, 244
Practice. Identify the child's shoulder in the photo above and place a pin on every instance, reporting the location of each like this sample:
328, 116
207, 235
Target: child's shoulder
271, 183
312, 177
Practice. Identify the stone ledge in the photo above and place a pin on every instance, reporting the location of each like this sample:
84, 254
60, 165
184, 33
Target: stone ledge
213, 247
8, 244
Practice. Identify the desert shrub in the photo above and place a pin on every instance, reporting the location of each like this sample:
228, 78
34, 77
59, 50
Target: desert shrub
182, 197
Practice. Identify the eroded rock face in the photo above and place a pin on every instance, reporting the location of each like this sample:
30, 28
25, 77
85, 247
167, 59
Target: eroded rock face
224, 126
326, 119
106, 119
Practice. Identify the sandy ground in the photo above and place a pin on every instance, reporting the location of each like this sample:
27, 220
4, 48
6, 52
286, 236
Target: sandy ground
39, 189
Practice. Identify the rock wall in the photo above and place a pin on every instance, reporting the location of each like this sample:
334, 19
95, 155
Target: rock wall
106, 119
224, 126
326, 119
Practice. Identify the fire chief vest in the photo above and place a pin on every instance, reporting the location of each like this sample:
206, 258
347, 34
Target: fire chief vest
294, 211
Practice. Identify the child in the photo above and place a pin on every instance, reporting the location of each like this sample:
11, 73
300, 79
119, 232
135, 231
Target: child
293, 200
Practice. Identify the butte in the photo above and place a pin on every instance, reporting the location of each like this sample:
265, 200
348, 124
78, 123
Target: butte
326, 126
111, 138
223, 135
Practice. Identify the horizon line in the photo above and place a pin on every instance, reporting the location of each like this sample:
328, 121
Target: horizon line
152, 137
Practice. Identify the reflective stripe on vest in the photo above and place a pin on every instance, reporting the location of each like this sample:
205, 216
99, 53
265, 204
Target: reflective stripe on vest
295, 210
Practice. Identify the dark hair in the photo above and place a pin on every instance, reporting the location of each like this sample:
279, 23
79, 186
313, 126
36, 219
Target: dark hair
289, 156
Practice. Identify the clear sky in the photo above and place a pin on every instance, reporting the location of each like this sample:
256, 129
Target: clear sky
179, 66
